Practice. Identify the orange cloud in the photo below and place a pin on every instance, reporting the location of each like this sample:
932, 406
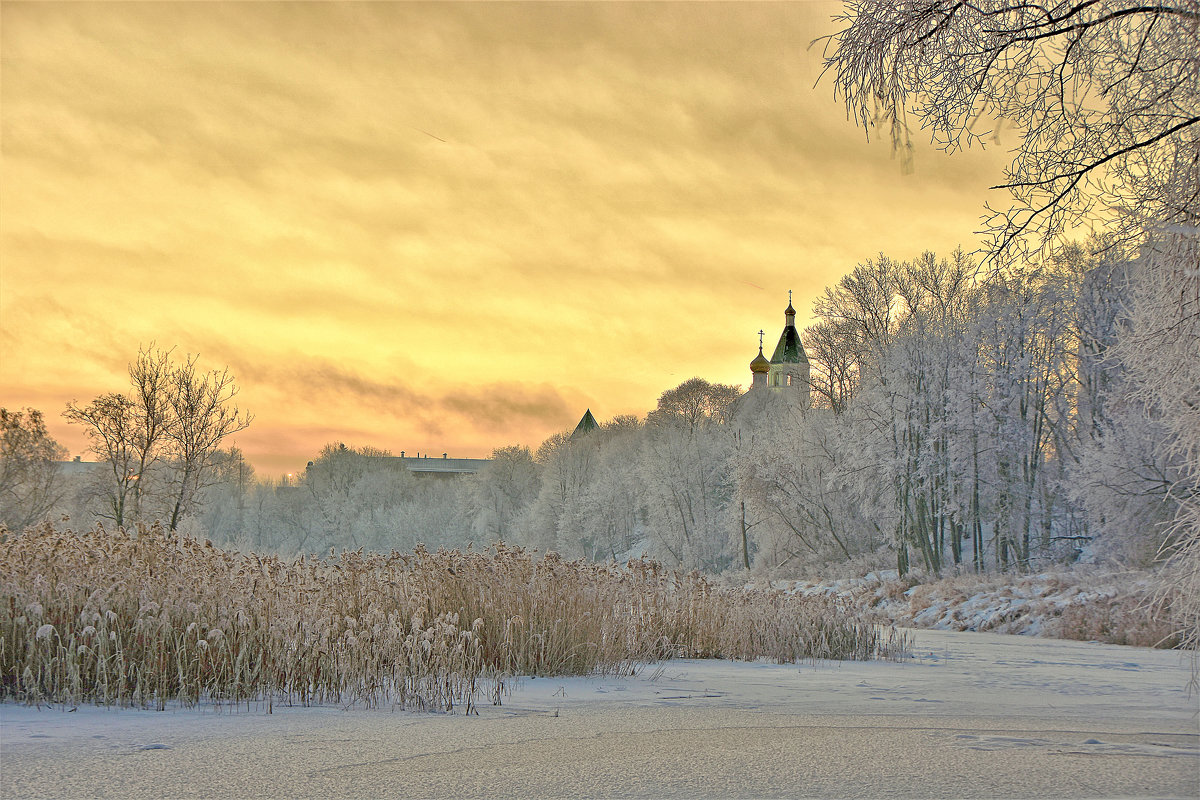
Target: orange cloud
449, 224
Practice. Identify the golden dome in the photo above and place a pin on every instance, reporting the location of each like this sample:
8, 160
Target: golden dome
760, 364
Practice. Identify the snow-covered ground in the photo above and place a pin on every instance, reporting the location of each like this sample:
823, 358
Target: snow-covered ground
969, 715
1116, 607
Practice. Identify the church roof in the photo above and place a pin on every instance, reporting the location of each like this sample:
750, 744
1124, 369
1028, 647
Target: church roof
587, 424
789, 350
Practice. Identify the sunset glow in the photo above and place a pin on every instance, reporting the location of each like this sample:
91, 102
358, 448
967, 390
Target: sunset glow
432, 227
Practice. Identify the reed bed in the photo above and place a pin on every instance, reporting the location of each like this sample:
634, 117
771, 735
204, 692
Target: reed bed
146, 618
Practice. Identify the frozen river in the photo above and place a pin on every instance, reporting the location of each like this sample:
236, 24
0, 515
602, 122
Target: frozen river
971, 715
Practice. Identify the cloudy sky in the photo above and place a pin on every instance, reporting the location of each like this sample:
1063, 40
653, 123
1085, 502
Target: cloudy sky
431, 227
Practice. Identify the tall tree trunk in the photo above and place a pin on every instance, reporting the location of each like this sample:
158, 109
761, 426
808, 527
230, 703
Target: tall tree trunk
745, 539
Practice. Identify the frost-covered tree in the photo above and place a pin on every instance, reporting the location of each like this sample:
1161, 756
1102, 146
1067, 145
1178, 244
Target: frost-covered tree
433, 512
608, 520
1161, 350
30, 484
1103, 100
502, 491
1122, 484
897, 329
965, 401
831, 346
687, 478
812, 493
345, 498
350, 498
1023, 334
695, 403
566, 464
935, 299
861, 308
224, 507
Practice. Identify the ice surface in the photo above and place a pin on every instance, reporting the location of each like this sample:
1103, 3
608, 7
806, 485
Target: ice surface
970, 715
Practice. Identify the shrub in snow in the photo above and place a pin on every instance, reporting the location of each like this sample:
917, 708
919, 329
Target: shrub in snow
1115, 607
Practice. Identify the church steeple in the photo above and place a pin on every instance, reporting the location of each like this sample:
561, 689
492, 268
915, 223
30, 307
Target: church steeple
759, 367
586, 425
789, 364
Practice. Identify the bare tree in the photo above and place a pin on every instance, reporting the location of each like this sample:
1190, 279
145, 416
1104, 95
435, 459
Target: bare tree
29, 476
111, 424
174, 417
149, 379
127, 432
202, 416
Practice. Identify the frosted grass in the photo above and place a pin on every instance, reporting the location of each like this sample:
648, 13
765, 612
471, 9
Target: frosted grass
145, 618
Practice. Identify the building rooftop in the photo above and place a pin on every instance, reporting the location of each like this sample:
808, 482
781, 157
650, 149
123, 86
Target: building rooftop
789, 350
443, 465
587, 424
79, 466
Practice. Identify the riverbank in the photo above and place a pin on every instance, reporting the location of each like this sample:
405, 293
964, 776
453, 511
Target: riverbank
1114, 607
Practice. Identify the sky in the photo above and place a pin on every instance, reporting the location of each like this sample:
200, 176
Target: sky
432, 227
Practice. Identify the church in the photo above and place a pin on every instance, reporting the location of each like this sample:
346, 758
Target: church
782, 382
788, 370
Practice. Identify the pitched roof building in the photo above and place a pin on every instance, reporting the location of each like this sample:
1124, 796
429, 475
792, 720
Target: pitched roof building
788, 368
587, 424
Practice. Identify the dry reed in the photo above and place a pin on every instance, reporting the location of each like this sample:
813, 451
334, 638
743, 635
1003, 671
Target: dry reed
146, 618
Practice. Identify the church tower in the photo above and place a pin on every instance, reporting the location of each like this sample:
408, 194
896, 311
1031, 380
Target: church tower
789, 365
759, 368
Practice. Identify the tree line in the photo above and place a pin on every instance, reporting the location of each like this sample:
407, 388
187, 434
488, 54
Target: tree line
960, 419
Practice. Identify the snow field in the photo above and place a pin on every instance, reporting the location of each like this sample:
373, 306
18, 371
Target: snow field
968, 715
